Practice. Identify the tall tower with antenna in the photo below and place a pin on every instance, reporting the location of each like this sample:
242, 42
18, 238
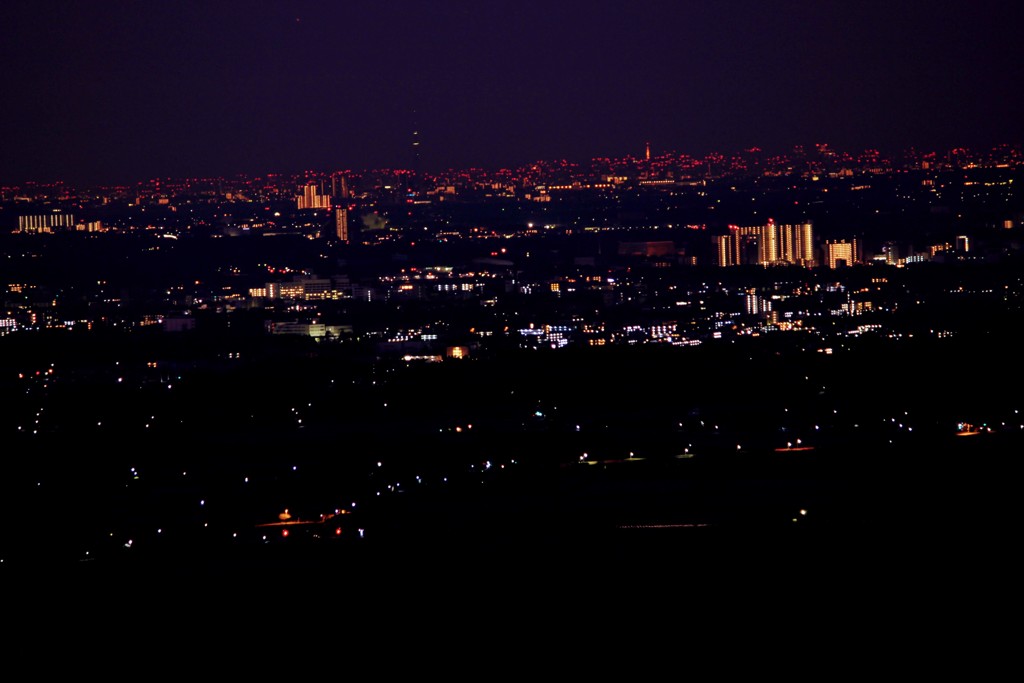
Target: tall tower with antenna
648, 152
415, 184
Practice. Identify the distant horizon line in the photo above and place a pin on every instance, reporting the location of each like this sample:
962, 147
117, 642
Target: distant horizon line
887, 155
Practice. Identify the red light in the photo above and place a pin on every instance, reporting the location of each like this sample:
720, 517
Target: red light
337, 531
284, 532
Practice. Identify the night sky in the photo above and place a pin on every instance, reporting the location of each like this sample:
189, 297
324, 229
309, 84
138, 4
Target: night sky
116, 91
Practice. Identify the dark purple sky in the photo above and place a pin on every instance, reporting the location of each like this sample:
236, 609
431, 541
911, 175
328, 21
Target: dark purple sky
117, 91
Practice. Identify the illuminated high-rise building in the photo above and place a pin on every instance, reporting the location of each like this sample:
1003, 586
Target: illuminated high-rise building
741, 246
312, 198
729, 249
757, 304
341, 224
45, 224
767, 245
788, 244
801, 237
840, 253
725, 250
891, 250
339, 186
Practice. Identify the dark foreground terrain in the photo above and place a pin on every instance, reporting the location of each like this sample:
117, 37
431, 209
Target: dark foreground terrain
625, 468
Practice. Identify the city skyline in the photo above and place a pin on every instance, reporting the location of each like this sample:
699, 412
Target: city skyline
189, 90
819, 159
